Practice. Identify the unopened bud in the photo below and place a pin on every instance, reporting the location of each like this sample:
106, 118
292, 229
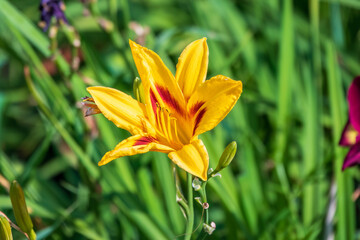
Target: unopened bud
209, 228
226, 157
205, 205
138, 90
196, 184
5, 229
198, 200
19, 207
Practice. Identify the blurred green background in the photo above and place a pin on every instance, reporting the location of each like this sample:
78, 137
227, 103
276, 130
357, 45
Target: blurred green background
296, 60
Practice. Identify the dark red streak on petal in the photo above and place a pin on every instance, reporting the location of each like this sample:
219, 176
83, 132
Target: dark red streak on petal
198, 119
144, 141
153, 101
195, 108
169, 99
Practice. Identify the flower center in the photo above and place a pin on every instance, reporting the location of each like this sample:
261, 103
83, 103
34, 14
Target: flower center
166, 127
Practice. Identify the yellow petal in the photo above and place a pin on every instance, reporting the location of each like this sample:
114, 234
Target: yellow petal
134, 145
192, 67
121, 109
212, 101
159, 83
193, 158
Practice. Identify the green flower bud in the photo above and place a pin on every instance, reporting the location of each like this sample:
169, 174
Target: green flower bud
5, 229
19, 207
226, 157
138, 90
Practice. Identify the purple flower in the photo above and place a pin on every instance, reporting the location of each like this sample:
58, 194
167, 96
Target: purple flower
351, 133
49, 9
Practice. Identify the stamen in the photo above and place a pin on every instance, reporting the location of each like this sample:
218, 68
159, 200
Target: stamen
87, 99
158, 120
163, 123
174, 129
166, 125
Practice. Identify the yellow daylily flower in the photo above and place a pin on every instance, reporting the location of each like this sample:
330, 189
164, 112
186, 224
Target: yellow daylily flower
176, 109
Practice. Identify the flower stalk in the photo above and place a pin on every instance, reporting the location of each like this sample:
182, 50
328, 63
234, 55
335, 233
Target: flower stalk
204, 231
190, 217
204, 201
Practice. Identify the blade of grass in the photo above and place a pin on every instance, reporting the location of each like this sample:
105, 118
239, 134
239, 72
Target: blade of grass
119, 168
336, 25
163, 173
150, 199
312, 135
237, 31
36, 157
349, 3
285, 76
84, 159
344, 206
51, 90
143, 222
22, 23
6, 167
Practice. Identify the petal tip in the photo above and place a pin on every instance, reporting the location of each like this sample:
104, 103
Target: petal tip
239, 82
89, 89
133, 44
346, 165
105, 159
203, 43
204, 177
353, 157
101, 163
94, 88
343, 167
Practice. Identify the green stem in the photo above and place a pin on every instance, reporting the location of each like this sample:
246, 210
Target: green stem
184, 205
190, 219
204, 234
204, 200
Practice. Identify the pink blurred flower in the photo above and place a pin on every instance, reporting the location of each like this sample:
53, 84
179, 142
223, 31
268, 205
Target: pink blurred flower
351, 133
